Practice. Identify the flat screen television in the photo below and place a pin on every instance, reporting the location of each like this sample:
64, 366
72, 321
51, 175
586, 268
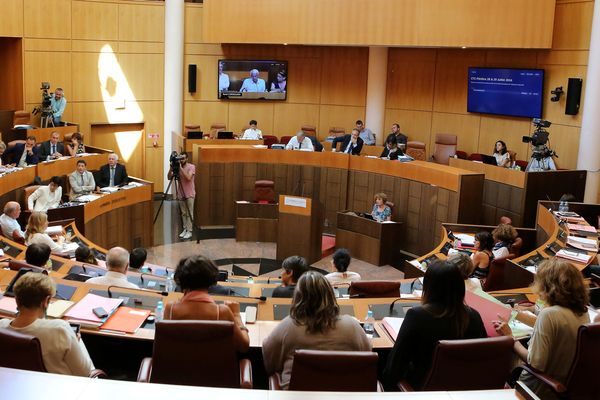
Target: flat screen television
506, 91
252, 79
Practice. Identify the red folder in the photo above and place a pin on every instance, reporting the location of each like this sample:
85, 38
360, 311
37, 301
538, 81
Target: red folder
126, 319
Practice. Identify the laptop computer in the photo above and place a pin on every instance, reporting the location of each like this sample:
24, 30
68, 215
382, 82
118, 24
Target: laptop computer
194, 134
224, 135
491, 160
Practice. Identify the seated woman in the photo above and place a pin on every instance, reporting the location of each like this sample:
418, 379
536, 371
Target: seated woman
35, 232
501, 154
314, 323
76, 146
339, 263
84, 254
195, 274
38, 254
381, 212
443, 316
504, 235
466, 268
391, 149
279, 86
483, 256
554, 340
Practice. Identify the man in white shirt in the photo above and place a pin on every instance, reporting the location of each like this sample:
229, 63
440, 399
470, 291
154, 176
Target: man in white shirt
117, 262
223, 79
81, 181
252, 133
46, 197
254, 83
62, 351
299, 142
8, 221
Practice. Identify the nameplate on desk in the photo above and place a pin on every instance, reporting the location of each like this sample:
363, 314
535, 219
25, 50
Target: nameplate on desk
294, 201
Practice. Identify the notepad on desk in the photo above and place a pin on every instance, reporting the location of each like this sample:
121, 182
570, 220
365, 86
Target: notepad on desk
54, 230
8, 305
392, 326
126, 319
58, 308
573, 256
582, 228
82, 311
583, 243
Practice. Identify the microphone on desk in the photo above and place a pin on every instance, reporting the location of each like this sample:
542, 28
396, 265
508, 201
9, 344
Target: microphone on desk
236, 294
269, 279
357, 296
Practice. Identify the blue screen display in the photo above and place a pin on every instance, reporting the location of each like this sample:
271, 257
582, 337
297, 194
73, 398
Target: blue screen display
504, 91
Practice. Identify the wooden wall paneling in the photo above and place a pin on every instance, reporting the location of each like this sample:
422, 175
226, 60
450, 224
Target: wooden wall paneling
342, 116
510, 130
288, 118
305, 75
44, 21
565, 141
193, 23
415, 124
249, 177
410, 79
153, 116
563, 57
202, 208
11, 73
558, 75
427, 219
241, 113
464, 126
86, 82
573, 25
36, 44
205, 113
471, 196
143, 22
96, 21
229, 194
121, 138
12, 18
144, 74
347, 85
153, 168
206, 77
413, 211
511, 58
52, 67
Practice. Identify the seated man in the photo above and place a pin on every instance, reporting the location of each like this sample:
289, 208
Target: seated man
38, 255
254, 83
52, 149
81, 181
300, 142
401, 139
62, 351
117, 262
352, 144
137, 258
8, 221
293, 268
340, 262
252, 133
113, 173
365, 133
24, 154
46, 197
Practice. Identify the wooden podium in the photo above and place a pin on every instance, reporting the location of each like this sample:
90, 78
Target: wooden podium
300, 228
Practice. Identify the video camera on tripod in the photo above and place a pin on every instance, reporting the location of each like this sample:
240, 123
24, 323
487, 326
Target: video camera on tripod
175, 161
539, 140
46, 107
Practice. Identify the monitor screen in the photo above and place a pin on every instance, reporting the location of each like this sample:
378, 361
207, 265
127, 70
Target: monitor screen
252, 79
506, 91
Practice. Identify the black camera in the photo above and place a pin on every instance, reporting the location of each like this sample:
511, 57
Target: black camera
46, 107
540, 136
175, 160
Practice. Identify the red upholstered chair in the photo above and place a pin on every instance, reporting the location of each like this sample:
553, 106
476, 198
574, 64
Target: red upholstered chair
514, 250
495, 278
285, 139
416, 150
475, 157
462, 155
522, 164
336, 131
334, 371
374, 289
445, 147
264, 191
196, 353
582, 381
470, 364
309, 130
270, 140
15, 265
21, 118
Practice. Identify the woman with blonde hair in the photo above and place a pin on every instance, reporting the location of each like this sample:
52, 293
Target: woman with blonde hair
314, 323
554, 340
35, 232
466, 268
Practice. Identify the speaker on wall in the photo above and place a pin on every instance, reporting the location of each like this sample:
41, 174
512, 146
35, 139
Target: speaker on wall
573, 96
192, 78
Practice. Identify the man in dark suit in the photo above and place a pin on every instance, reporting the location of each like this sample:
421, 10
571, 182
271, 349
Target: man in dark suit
113, 173
24, 154
52, 149
352, 144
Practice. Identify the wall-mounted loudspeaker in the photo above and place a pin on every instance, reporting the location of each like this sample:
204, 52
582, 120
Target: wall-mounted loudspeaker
573, 96
192, 78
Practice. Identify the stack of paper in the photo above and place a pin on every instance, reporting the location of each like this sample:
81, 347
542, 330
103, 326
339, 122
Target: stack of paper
54, 230
110, 189
82, 311
8, 306
86, 198
490, 309
573, 256
392, 326
126, 319
581, 228
465, 240
583, 243
58, 308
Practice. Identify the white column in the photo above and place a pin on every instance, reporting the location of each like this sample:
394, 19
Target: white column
173, 80
589, 139
376, 90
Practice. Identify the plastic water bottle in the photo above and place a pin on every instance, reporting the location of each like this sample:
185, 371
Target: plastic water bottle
250, 279
368, 323
159, 311
563, 206
170, 283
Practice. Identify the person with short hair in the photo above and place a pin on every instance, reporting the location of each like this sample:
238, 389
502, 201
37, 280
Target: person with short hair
391, 151
186, 194
38, 255
314, 323
8, 221
195, 274
53, 148
553, 343
254, 83
81, 180
76, 146
117, 261
112, 174
137, 258
483, 255
401, 139
339, 263
280, 85
62, 351
292, 269
84, 254
365, 133
443, 315
24, 154
223, 79
501, 154
381, 211
58, 104
46, 197
300, 142
252, 133
504, 236
351, 144
465, 266
35, 232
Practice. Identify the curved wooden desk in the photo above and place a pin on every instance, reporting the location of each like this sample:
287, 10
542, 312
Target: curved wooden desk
425, 194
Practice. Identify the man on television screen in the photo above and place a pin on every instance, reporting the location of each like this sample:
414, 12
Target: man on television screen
223, 79
254, 83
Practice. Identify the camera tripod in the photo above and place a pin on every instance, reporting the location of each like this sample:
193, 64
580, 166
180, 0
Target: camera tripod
178, 189
47, 119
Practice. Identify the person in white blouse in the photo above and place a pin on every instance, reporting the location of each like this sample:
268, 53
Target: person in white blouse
35, 232
339, 263
63, 351
252, 133
8, 221
300, 142
223, 79
117, 262
46, 197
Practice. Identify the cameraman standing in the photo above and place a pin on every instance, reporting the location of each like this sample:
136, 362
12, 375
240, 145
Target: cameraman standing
58, 103
186, 192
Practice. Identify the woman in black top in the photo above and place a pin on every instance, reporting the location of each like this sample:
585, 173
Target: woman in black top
443, 316
391, 149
